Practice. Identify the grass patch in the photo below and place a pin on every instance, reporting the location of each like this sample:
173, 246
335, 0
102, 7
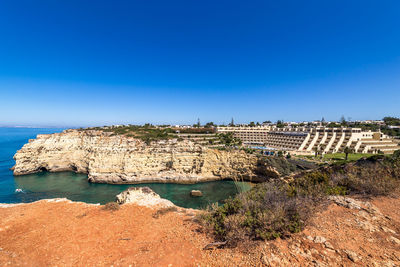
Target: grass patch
342, 156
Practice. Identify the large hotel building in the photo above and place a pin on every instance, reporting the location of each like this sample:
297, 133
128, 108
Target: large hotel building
304, 140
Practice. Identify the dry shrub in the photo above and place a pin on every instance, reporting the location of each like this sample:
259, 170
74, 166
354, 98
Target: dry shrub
375, 176
164, 211
112, 206
266, 212
276, 209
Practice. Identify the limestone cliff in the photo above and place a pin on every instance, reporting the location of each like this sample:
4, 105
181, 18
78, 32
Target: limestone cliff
108, 158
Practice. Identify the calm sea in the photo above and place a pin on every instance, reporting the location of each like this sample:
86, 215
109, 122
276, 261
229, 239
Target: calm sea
75, 186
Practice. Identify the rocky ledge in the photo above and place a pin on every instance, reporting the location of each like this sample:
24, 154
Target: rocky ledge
143, 196
119, 159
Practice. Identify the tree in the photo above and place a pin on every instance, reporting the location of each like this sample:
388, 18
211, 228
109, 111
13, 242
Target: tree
392, 121
229, 140
232, 124
252, 124
280, 124
209, 125
347, 150
322, 148
316, 150
319, 150
197, 125
343, 121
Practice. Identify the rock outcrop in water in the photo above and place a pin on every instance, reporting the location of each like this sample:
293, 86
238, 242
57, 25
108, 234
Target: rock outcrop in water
119, 159
143, 196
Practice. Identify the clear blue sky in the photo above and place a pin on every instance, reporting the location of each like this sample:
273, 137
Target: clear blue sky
110, 62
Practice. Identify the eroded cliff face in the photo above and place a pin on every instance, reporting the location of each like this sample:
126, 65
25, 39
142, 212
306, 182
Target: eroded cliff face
120, 159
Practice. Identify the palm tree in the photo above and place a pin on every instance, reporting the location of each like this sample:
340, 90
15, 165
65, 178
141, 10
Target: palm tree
347, 150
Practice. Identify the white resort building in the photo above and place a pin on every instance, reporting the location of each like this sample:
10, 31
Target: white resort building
304, 140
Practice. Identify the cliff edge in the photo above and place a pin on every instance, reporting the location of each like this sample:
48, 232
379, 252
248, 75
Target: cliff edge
118, 159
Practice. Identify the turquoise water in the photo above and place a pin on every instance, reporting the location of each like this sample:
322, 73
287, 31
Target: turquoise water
75, 186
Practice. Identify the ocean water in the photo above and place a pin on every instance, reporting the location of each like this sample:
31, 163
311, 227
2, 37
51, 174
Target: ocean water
75, 186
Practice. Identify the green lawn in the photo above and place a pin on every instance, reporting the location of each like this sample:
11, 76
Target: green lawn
342, 156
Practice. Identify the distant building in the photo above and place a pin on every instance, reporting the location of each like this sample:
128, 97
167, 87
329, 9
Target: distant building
304, 140
378, 122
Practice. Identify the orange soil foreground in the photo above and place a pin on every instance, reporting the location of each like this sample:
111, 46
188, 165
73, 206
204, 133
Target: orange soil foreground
75, 234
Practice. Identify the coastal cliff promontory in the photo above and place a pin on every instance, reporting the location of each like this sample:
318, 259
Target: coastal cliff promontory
110, 158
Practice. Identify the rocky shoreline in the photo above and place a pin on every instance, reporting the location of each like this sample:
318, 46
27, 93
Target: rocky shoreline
119, 159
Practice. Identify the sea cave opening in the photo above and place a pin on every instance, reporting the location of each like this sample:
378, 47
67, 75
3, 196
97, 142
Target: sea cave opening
43, 169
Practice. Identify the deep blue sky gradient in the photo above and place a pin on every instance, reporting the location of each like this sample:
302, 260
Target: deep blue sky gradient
67, 63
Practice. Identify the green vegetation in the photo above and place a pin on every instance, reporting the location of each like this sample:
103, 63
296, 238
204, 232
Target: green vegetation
280, 124
232, 124
278, 208
149, 133
210, 125
391, 132
389, 121
200, 130
264, 212
282, 165
392, 121
342, 156
347, 150
229, 140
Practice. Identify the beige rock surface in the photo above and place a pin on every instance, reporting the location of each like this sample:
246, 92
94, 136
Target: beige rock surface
120, 159
143, 196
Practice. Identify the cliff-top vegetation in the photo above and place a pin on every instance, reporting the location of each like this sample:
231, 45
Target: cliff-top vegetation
278, 207
149, 133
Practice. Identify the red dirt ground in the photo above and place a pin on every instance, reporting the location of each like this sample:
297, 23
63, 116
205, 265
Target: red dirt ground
75, 234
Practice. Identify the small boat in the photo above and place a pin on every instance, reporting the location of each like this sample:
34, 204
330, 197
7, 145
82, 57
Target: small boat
19, 190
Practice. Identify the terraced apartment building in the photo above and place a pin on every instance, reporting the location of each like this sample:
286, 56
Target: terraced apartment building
304, 140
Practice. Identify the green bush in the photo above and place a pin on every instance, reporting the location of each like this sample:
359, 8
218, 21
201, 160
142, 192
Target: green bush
396, 155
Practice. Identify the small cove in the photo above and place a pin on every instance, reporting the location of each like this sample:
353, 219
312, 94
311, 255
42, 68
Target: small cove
75, 186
